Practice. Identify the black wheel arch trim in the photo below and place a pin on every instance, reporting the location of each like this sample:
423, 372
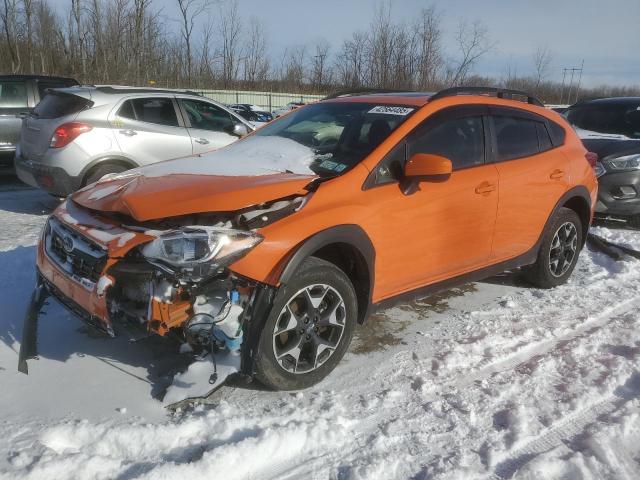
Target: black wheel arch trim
115, 159
581, 192
349, 234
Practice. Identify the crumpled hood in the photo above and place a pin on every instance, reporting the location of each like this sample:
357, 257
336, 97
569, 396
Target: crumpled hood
150, 198
246, 173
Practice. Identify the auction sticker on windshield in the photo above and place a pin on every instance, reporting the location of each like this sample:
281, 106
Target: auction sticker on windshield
391, 110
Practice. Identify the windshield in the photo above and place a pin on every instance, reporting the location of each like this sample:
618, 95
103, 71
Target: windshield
612, 119
335, 136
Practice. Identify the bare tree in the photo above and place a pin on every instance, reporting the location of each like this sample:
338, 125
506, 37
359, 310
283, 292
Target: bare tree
230, 32
429, 39
473, 42
9, 17
541, 62
189, 11
256, 63
351, 61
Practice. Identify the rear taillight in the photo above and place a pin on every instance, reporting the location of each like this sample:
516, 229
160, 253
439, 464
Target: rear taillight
592, 158
67, 133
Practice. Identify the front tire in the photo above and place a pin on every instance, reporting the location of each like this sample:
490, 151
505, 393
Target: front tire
309, 328
559, 250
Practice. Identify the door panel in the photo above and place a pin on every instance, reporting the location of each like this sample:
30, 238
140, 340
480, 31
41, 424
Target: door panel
443, 229
148, 130
532, 179
528, 194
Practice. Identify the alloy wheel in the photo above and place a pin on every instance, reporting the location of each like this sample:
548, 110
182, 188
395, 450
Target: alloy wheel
309, 328
564, 247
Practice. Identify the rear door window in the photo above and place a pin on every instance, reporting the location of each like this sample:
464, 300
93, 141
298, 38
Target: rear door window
515, 137
461, 140
13, 94
58, 104
151, 110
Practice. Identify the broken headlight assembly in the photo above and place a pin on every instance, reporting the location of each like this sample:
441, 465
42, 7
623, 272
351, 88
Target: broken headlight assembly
196, 252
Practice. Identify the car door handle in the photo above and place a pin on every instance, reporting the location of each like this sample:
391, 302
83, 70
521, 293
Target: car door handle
556, 174
202, 141
128, 132
485, 188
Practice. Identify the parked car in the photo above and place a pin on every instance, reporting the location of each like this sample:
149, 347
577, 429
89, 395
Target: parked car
252, 113
280, 244
287, 108
18, 95
610, 127
77, 135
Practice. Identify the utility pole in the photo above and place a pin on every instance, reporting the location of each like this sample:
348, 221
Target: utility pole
573, 71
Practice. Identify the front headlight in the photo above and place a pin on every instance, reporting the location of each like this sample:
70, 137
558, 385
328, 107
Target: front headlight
628, 162
193, 246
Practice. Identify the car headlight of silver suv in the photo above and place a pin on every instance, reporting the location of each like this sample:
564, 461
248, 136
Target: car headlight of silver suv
628, 162
194, 246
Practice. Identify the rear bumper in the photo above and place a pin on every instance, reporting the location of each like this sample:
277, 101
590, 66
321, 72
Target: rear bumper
619, 194
53, 180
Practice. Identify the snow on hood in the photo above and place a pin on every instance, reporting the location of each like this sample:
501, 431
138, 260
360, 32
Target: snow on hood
255, 155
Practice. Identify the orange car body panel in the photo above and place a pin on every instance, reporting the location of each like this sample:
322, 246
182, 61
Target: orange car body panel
447, 228
478, 217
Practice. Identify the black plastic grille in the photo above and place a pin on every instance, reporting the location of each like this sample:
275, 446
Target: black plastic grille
84, 264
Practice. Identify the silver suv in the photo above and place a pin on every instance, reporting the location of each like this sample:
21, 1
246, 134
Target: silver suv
77, 135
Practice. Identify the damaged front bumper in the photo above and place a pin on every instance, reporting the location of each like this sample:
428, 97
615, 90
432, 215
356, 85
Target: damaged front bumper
92, 267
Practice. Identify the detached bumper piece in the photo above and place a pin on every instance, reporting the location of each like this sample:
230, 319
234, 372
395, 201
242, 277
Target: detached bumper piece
29, 343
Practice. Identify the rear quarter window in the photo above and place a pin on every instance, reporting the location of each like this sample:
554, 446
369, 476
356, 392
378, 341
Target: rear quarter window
58, 104
515, 138
13, 94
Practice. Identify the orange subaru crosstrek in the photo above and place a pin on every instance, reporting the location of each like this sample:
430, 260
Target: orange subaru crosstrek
275, 247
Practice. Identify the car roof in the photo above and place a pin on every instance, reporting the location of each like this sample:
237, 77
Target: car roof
419, 99
609, 101
413, 99
38, 77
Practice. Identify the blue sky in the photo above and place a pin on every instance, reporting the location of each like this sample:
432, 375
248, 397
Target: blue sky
606, 34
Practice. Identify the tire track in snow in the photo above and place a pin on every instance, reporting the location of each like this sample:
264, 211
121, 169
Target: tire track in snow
569, 428
513, 360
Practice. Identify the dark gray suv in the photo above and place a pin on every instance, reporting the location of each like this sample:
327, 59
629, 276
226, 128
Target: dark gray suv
19, 94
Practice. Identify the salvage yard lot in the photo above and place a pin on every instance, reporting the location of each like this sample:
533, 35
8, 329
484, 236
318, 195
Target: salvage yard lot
492, 380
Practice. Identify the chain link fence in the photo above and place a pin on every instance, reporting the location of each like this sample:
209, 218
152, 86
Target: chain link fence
267, 100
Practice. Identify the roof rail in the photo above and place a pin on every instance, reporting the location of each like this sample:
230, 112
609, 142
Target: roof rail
360, 91
499, 92
124, 89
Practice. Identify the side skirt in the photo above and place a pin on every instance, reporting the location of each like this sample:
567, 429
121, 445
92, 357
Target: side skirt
428, 290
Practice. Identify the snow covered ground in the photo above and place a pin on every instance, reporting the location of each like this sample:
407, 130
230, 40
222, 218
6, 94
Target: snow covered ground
494, 380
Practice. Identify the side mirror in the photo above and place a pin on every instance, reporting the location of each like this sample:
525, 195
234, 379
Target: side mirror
240, 130
426, 166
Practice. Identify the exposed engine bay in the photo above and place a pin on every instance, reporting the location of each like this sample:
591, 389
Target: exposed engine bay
164, 277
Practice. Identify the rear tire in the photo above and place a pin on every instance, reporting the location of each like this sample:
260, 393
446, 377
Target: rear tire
309, 328
101, 170
559, 250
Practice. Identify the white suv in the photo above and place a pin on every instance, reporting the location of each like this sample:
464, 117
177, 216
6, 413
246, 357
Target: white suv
77, 135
